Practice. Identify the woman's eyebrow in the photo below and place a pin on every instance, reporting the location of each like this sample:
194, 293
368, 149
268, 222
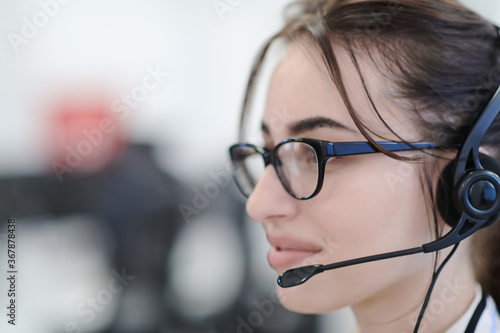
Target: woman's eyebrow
310, 124
316, 122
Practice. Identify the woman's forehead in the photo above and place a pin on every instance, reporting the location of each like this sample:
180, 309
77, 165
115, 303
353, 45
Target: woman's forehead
301, 88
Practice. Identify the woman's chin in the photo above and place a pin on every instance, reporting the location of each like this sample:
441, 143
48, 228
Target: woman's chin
302, 299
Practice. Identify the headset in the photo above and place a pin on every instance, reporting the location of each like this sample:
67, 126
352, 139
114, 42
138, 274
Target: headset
468, 195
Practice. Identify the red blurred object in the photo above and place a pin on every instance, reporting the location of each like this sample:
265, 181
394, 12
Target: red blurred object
86, 135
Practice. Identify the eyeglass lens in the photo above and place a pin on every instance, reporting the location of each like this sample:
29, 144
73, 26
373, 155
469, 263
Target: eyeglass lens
296, 165
248, 166
298, 168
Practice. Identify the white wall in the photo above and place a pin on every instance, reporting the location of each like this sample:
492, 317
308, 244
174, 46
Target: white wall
490, 9
108, 45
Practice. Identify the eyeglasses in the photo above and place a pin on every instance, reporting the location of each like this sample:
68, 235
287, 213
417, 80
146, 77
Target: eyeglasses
300, 163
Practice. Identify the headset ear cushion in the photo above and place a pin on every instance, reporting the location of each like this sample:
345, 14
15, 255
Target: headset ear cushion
491, 164
445, 197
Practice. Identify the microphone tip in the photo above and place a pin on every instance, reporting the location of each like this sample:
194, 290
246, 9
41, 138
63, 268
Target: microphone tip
294, 277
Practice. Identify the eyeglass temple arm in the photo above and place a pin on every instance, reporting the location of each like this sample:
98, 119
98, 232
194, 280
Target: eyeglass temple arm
357, 148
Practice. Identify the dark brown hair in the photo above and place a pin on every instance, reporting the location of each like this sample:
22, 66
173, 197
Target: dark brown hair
444, 62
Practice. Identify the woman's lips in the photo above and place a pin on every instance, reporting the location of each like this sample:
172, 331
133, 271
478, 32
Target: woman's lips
289, 252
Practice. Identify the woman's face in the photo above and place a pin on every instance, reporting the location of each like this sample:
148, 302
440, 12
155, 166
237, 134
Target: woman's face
369, 204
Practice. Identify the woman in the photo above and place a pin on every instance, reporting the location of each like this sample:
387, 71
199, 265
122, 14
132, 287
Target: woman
414, 73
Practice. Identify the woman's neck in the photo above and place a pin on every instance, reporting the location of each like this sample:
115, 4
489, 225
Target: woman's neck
396, 308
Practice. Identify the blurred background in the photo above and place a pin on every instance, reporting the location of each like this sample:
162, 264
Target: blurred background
115, 119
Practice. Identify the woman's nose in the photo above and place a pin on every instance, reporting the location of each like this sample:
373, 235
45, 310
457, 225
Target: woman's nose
269, 200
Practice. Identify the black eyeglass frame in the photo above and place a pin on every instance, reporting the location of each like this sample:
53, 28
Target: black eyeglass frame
324, 151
